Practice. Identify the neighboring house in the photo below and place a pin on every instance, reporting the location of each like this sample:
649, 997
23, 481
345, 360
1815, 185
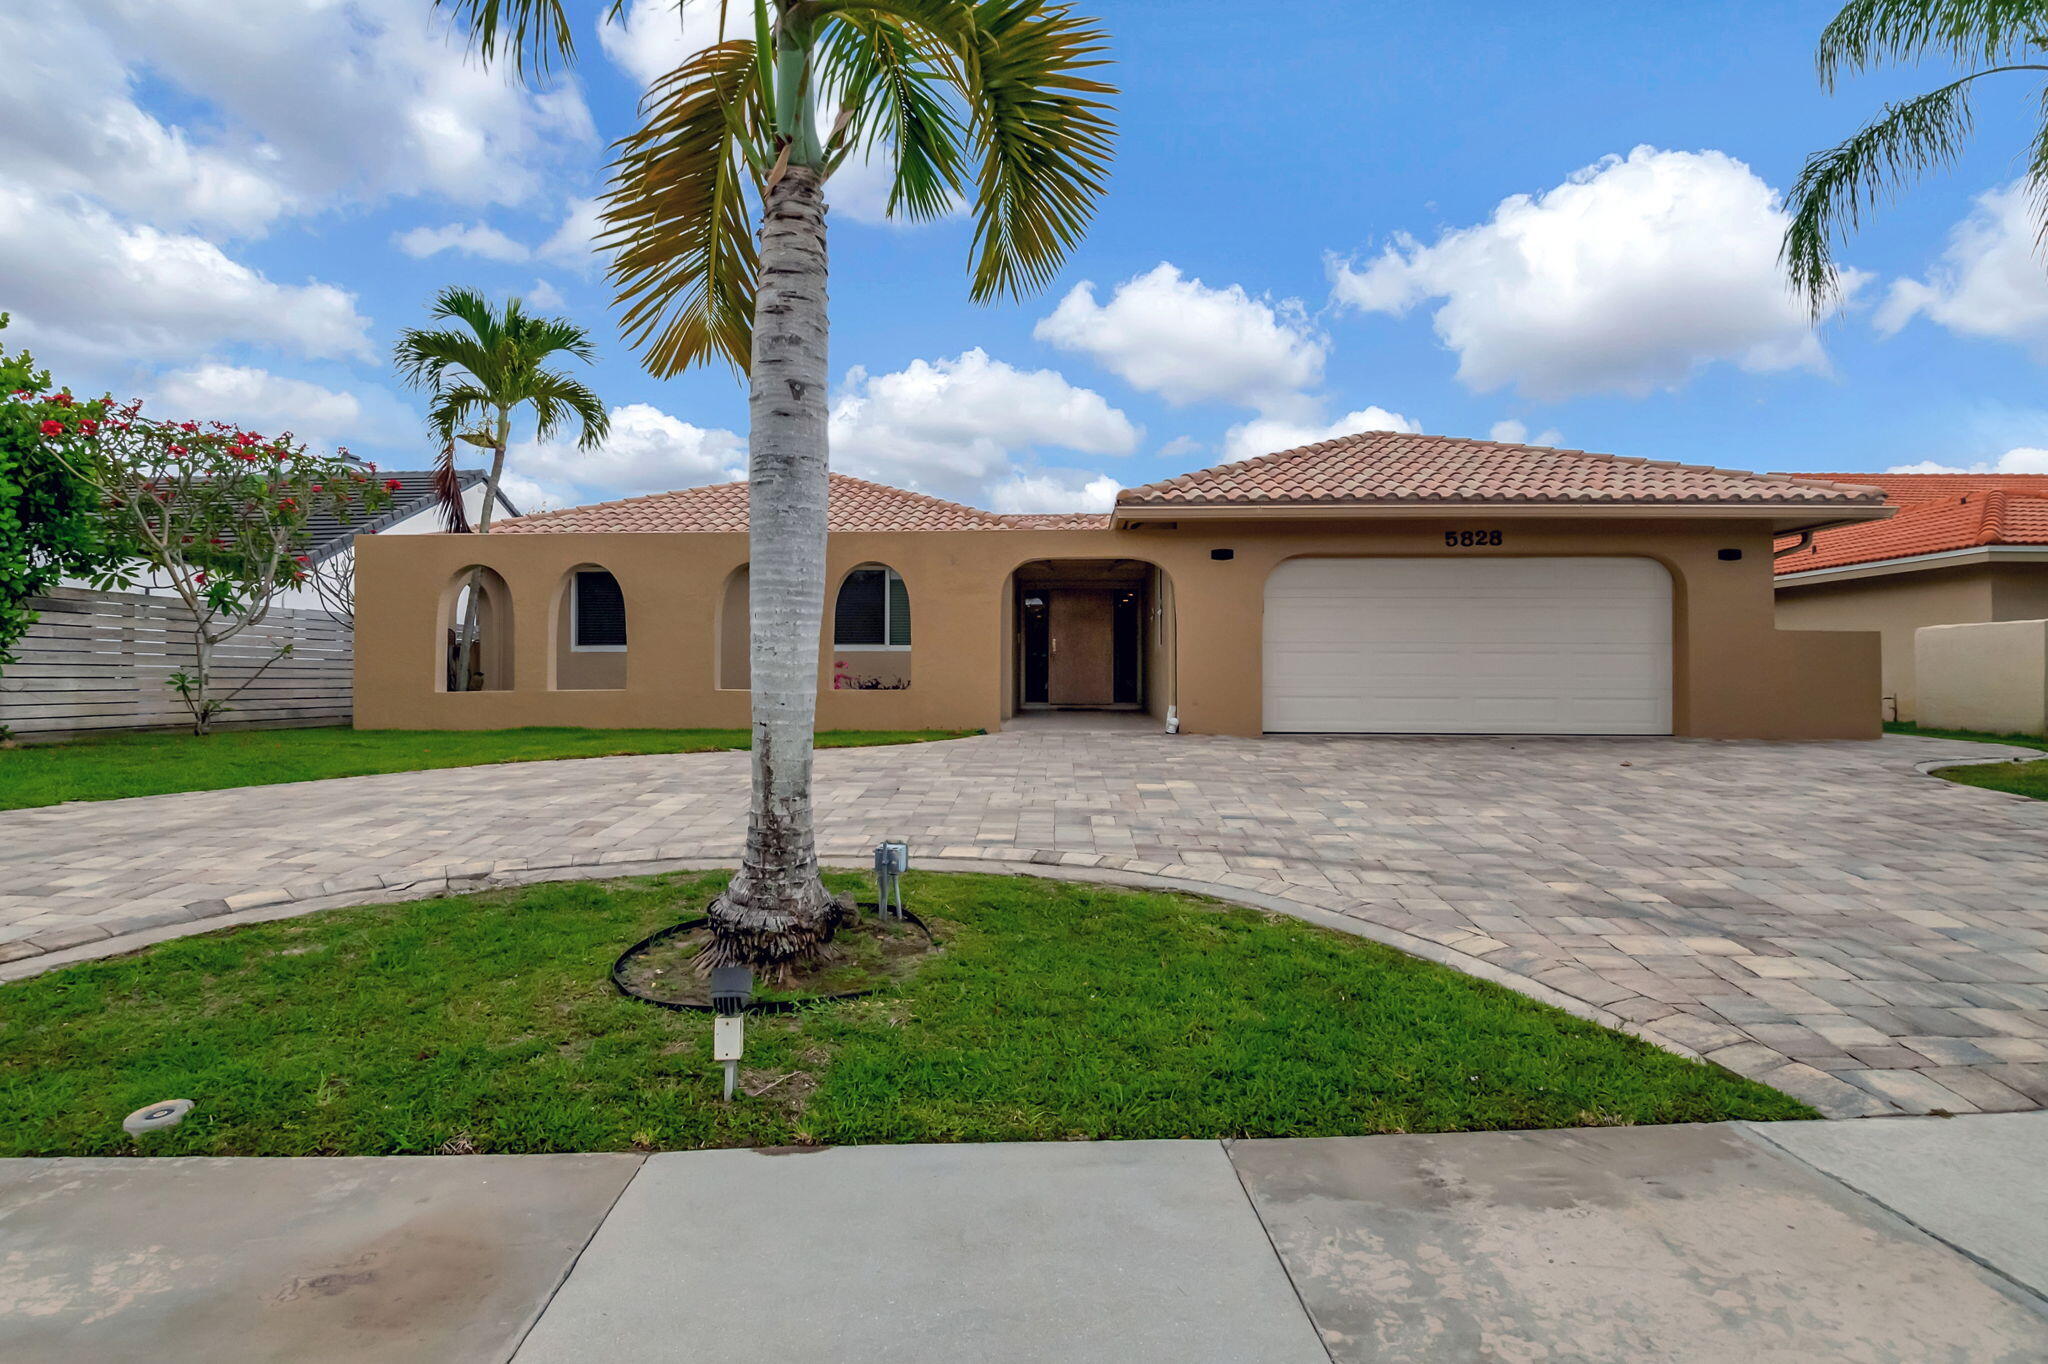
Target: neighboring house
1963, 549
330, 539
1381, 582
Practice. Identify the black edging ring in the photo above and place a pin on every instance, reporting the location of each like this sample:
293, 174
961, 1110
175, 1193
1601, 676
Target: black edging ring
770, 1006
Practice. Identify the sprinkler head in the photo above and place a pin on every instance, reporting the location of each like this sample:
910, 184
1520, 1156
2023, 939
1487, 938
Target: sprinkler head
156, 1116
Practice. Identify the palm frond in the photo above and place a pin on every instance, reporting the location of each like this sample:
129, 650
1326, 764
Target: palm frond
558, 399
1967, 32
677, 216
1041, 132
448, 491
534, 33
894, 95
456, 405
1838, 186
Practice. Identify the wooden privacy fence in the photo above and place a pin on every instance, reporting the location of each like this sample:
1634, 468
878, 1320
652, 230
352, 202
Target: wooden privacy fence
103, 661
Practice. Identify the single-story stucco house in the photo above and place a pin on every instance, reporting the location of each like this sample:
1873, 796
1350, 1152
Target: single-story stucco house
1375, 583
1963, 549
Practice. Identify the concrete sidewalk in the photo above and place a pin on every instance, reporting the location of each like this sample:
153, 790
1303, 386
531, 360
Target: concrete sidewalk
1911, 1239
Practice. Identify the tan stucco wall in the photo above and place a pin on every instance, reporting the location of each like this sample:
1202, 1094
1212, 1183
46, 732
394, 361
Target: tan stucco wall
1899, 604
1735, 676
1990, 676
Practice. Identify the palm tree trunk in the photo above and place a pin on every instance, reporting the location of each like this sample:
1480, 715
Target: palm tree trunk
776, 911
466, 651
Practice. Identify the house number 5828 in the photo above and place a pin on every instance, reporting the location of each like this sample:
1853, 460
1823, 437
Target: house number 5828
1466, 539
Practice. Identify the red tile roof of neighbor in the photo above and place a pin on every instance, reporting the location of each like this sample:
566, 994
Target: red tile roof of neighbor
853, 504
1937, 512
1398, 467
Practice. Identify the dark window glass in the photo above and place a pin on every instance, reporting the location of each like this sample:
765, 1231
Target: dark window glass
863, 604
600, 611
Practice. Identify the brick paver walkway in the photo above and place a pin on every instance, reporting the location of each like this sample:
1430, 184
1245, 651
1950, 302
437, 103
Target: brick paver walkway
1818, 915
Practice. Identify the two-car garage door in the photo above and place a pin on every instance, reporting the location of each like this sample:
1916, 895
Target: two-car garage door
1468, 646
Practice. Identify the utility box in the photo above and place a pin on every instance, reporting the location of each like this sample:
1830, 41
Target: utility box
1991, 676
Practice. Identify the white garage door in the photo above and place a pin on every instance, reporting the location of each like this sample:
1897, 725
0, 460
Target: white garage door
1468, 646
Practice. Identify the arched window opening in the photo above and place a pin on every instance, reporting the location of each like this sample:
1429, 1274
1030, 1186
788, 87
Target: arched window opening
590, 632
871, 631
476, 633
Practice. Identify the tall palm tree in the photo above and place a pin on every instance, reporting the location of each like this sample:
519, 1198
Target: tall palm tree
1838, 186
986, 101
478, 374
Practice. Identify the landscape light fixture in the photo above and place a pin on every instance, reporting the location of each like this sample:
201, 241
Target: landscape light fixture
732, 990
892, 859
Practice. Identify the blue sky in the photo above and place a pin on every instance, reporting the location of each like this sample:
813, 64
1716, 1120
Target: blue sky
1556, 221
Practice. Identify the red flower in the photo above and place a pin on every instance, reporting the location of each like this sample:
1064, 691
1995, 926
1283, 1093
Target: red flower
199, 578
245, 439
246, 457
301, 559
179, 450
53, 428
61, 399
88, 426
392, 485
188, 426
316, 487
287, 504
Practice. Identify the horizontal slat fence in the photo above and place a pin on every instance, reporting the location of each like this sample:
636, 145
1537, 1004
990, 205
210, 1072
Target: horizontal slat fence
103, 660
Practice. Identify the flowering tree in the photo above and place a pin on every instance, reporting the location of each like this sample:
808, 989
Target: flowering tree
215, 514
50, 524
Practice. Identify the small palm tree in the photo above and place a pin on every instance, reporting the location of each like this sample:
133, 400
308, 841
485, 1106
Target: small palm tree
1839, 185
986, 101
478, 375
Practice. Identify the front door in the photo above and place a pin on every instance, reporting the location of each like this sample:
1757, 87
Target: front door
1081, 649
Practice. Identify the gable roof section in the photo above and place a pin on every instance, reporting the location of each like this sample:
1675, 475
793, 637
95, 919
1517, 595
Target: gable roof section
1938, 513
1388, 468
855, 505
329, 533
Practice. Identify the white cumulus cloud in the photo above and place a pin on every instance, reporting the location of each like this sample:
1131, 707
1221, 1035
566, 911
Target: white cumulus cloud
1991, 281
648, 451
1177, 337
471, 239
1054, 490
259, 399
87, 285
1266, 434
2021, 459
959, 428
1512, 432
1629, 277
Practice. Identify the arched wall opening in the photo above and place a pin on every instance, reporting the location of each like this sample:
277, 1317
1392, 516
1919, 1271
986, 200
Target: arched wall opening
591, 640
871, 635
734, 634
1092, 634
475, 629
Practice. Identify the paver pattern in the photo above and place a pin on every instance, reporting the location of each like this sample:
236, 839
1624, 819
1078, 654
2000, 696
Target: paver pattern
1820, 916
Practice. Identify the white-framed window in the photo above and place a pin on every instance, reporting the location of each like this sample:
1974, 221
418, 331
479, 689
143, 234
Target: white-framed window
597, 613
873, 611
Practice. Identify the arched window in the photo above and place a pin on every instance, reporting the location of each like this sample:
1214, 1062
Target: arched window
475, 632
871, 631
590, 631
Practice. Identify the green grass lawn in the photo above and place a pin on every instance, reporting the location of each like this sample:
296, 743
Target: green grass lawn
112, 766
2022, 779
1056, 1012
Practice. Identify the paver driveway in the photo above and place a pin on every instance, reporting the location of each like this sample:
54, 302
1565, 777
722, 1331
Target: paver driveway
1817, 915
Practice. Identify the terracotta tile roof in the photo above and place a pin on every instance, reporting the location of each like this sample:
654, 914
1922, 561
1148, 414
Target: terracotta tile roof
1937, 512
1059, 520
1375, 467
855, 505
